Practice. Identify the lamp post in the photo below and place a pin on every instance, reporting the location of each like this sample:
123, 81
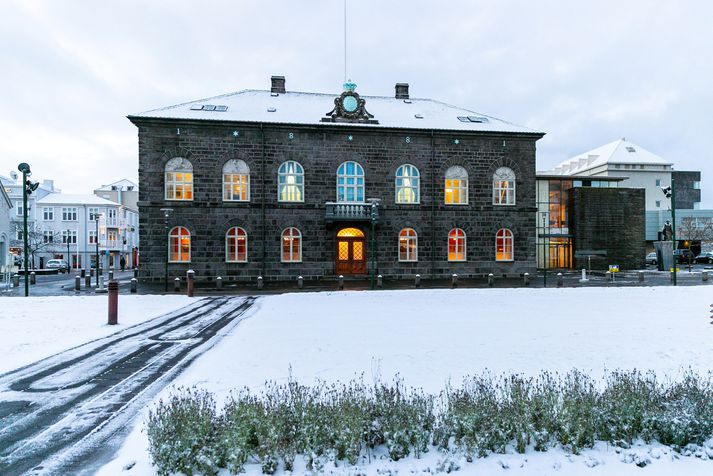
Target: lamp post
670, 192
374, 219
69, 234
544, 249
96, 244
166, 215
27, 188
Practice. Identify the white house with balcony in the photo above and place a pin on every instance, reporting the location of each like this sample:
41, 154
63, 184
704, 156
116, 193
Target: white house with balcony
77, 226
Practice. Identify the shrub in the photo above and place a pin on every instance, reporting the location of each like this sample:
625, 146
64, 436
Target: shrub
627, 406
578, 414
181, 433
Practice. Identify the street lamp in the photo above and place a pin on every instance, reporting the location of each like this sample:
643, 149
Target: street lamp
544, 249
374, 220
69, 233
670, 192
96, 244
166, 214
27, 188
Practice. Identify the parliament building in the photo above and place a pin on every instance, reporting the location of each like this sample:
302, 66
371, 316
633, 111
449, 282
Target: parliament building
281, 184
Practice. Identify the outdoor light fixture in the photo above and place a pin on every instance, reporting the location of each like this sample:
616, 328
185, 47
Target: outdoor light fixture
166, 215
670, 192
666, 191
27, 189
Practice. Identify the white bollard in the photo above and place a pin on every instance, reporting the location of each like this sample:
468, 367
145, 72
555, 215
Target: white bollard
584, 279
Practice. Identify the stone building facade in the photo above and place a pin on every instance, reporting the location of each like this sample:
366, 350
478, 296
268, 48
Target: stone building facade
259, 136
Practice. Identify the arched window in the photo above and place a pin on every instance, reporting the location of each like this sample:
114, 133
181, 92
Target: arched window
504, 245
350, 182
179, 245
290, 182
407, 184
408, 245
456, 186
236, 245
456, 245
236, 181
291, 245
178, 179
504, 187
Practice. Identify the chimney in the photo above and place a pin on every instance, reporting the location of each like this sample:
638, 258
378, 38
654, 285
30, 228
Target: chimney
401, 90
278, 84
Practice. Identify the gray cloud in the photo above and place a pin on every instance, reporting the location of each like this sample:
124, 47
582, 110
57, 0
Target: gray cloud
584, 72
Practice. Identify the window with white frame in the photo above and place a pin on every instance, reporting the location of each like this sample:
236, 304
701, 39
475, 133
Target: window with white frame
179, 245
236, 245
48, 214
456, 188
658, 203
236, 181
69, 214
504, 186
47, 236
504, 250
179, 179
18, 208
18, 233
408, 245
456, 245
350, 182
92, 237
291, 245
658, 182
290, 182
92, 213
69, 236
408, 181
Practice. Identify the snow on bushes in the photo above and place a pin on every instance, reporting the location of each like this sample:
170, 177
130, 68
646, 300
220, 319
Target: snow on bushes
353, 422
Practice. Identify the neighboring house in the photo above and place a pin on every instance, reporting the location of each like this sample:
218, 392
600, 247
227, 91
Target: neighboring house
5, 231
272, 183
640, 168
72, 224
124, 192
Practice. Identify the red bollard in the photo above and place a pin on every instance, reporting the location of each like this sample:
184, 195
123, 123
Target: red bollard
113, 302
189, 282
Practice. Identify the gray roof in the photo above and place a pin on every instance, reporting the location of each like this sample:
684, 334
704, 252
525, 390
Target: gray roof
309, 108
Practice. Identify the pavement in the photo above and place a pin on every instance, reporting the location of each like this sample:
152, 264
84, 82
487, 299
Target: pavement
68, 413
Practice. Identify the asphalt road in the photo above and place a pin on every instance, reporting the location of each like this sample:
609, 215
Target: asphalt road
67, 414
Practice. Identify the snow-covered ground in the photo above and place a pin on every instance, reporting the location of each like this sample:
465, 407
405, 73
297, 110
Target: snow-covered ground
32, 328
431, 337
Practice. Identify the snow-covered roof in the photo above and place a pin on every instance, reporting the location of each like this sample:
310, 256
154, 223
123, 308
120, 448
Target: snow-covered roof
309, 108
124, 184
620, 151
74, 199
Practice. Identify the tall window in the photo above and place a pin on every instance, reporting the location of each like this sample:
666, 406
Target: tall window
236, 245
504, 245
68, 236
407, 184
456, 186
48, 236
456, 245
290, 182
92, 213
18, 208
236, 181
408, 245
291, 245
48, 214
179, 245
69, 214
504, 187
179, 179
92, 237
350, 182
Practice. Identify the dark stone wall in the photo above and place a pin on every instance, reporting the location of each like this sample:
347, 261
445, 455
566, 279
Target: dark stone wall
320, 150
609, 219
686, 195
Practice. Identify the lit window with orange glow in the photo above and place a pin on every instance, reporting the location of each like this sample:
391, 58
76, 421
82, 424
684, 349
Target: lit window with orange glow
179, 245
236, 181
456, 188
456, 245
178, 179
504, 245
408, 245
236, 245
504, 186
291, 245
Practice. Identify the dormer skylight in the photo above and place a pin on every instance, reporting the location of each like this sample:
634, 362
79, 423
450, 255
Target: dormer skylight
208, 107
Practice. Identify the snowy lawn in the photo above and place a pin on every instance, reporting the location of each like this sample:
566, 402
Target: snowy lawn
33, 328
432, 337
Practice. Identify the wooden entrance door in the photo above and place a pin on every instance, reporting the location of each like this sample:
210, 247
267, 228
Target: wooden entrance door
351, 251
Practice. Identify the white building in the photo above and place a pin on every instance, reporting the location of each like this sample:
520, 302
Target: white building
5, 231
72, 223
124, 192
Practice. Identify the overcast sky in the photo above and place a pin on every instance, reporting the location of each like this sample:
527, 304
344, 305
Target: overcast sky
585, 74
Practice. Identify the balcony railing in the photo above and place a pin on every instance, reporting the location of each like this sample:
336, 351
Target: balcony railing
349, 212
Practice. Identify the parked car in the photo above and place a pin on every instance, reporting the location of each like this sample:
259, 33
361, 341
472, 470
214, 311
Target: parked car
683, 256
59, 264
652, 258
705, 257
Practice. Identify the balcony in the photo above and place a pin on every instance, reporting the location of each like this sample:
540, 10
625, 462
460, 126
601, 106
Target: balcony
349, 212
